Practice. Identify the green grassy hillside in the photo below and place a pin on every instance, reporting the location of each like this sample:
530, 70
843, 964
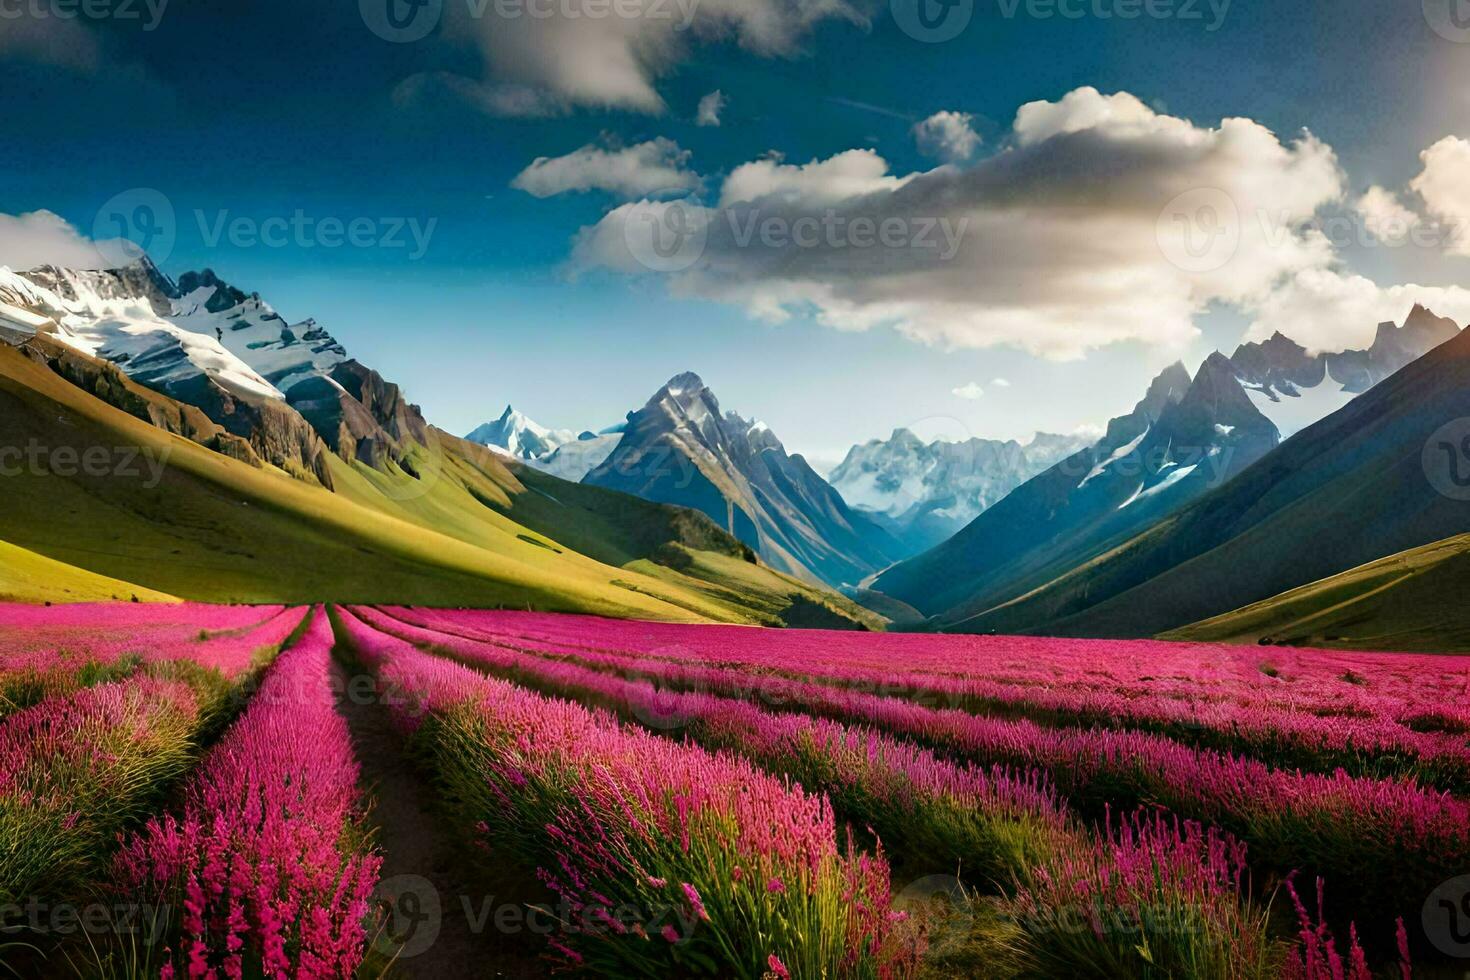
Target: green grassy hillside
28, 577
1409, 601
441, 530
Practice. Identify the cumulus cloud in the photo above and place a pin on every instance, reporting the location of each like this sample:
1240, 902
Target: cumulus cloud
1384, 216
971, 392
1327, 309
1000, 383
1070, 238
1444, 185
655, 167
584, 54
43, 238
710, 108
948, 136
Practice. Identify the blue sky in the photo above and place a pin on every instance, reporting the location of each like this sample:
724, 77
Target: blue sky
268, 109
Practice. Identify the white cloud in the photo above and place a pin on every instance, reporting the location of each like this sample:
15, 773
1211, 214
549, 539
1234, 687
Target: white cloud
1445, 187
1000, 383
710, 108
612, 59
1063, 243
42, 238
1325, 309
850, 174
1384, 216
643, 169
971, 391
948, 136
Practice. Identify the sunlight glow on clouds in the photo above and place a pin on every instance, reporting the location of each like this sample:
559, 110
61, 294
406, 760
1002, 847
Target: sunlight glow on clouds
1445, 187
1062, 248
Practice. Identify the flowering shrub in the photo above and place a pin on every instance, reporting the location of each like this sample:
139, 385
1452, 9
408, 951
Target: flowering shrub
76, 769
1393, 839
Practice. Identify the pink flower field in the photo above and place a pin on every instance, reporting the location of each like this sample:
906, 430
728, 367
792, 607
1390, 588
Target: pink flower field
252, 791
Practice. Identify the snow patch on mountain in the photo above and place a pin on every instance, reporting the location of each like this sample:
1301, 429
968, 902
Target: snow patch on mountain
1297, 408
574, 460
107, 315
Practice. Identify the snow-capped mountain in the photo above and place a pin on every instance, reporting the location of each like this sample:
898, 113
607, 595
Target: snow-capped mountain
931, 490
516, 435
1184, 437
128, 316
1187, 437
682, 449
286, 388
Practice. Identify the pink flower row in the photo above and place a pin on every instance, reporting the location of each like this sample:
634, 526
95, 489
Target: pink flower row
1293, 739
1394, 838
621, 818
891, 782
46, 639
258, 855
1380, 685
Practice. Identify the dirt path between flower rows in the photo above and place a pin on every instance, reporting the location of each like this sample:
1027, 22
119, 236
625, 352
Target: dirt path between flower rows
445, 923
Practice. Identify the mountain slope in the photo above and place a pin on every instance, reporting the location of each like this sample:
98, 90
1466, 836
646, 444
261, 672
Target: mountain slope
1183, 437
1411, 601
574, 460
1361, 484
28, 577
680, 449
173, 514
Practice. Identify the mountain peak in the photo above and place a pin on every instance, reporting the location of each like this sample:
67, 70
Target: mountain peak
517, 435
1217, 363
686, 383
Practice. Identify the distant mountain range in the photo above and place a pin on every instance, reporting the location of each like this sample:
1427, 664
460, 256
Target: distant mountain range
555, 451
926, 492
1037, 560
1374, 479
286, 471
